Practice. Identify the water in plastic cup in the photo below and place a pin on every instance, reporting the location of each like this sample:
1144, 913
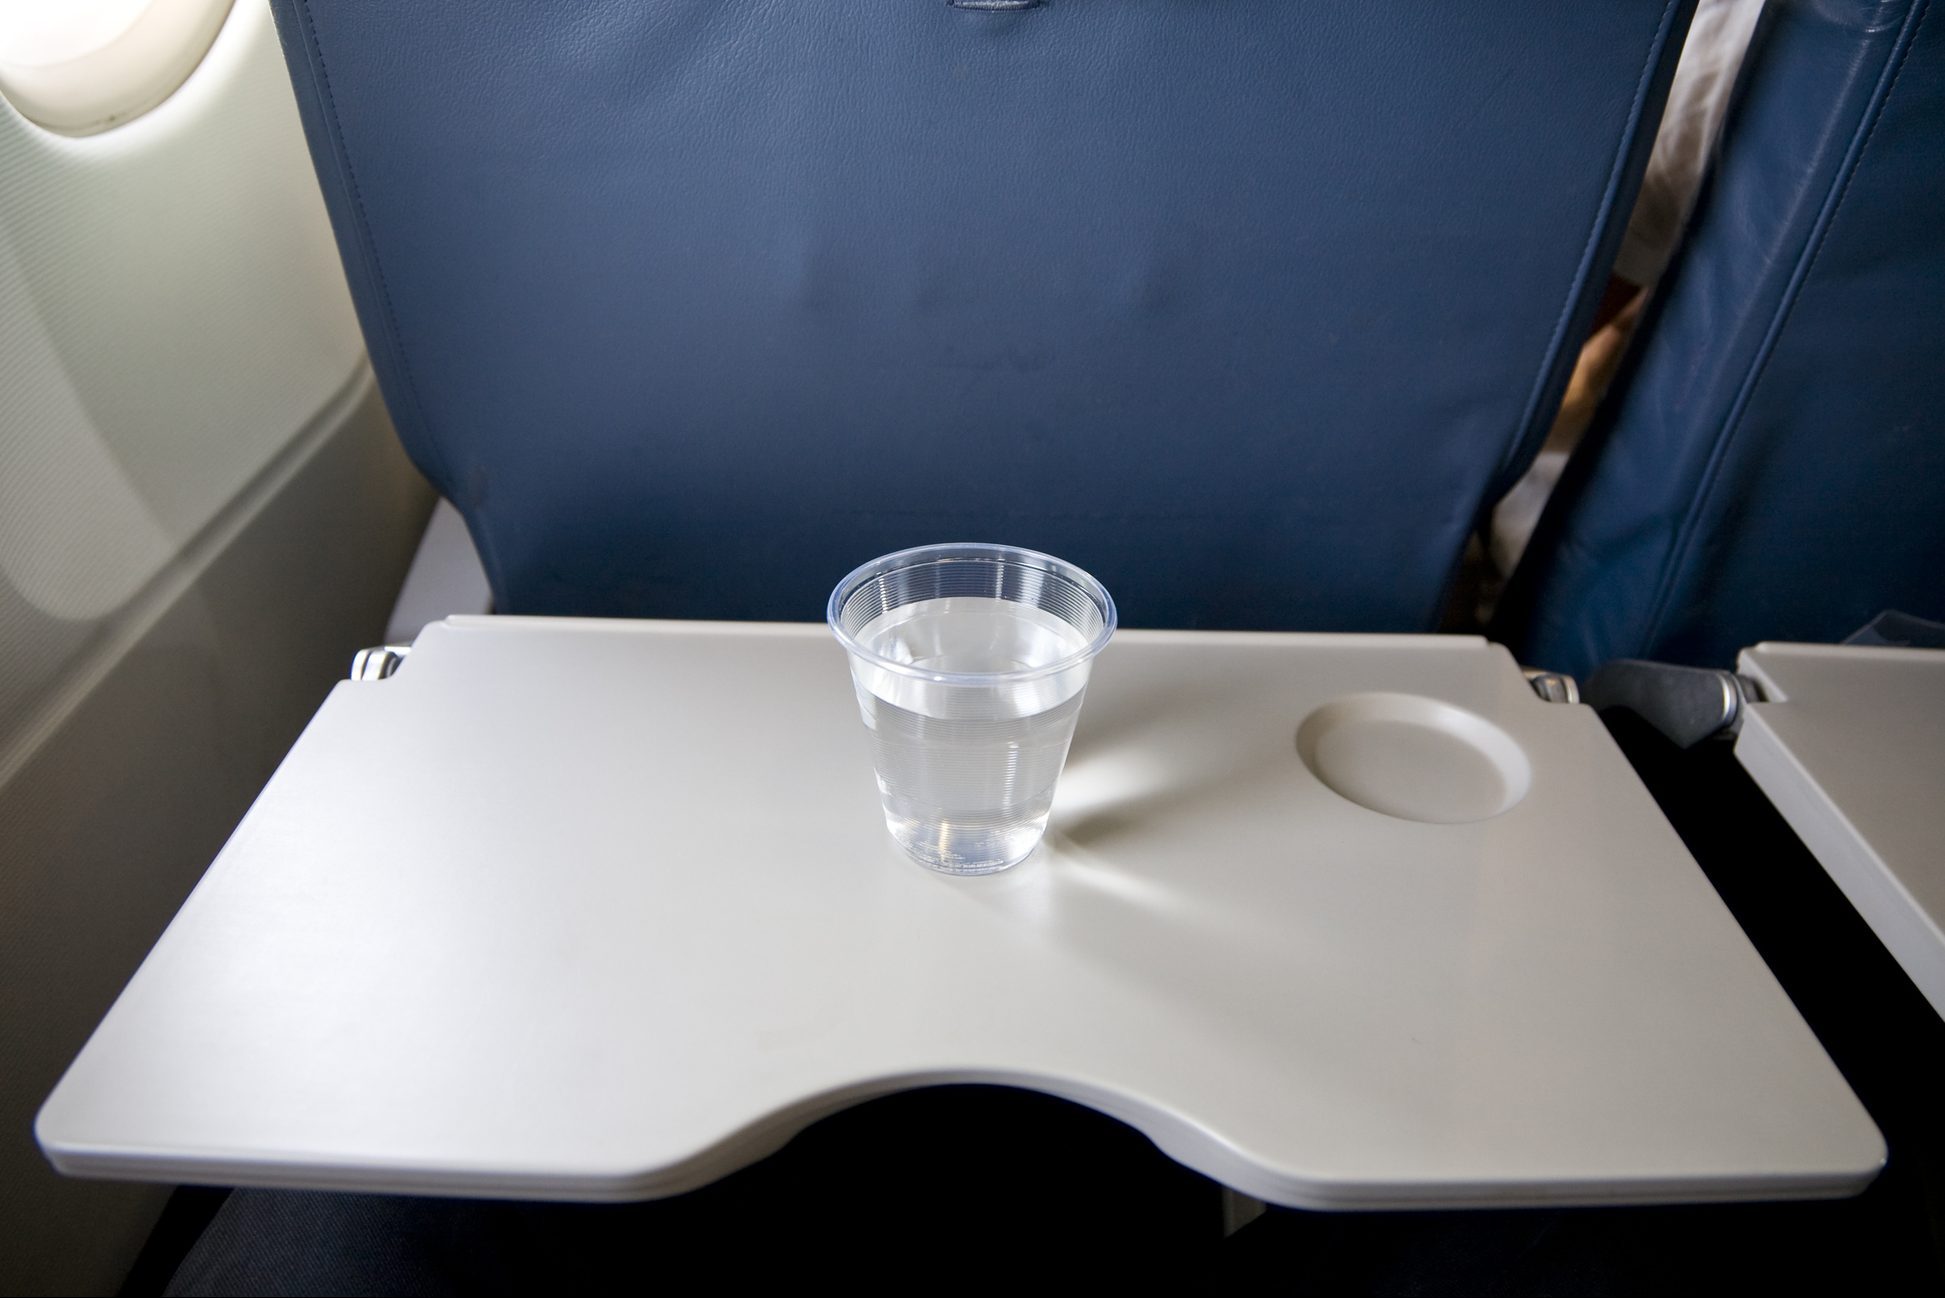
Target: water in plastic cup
970, 662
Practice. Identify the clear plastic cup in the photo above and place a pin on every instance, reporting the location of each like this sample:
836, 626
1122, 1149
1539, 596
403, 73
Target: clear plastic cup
970, 663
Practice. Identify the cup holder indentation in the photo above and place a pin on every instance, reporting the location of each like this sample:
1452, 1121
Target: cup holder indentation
1414, 757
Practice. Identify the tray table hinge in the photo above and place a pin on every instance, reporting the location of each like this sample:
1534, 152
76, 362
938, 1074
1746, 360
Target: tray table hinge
376, 663
1554, 687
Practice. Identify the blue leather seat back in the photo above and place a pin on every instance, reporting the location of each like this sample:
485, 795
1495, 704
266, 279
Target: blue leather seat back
1773, 468
1247, 306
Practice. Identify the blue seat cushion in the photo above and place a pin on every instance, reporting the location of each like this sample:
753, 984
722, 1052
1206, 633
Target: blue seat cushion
1246, 306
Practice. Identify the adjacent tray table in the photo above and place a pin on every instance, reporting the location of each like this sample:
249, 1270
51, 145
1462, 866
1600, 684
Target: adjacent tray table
1849, 745
604, 910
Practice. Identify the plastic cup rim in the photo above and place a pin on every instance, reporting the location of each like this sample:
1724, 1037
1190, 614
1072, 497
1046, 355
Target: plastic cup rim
976, 551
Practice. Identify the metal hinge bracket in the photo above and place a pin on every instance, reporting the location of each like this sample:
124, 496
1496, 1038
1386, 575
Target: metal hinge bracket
376, 663
1554, 687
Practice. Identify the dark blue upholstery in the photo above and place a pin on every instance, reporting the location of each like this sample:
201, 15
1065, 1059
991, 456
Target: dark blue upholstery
1247, 306
1774, 465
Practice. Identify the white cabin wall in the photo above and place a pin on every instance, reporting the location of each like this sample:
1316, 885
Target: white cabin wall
203, 512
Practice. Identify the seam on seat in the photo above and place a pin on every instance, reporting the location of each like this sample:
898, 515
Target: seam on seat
1604, 213
1524, 439
375, 272
1733, 421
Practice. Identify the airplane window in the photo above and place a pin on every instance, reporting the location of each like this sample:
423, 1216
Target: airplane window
82, 66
